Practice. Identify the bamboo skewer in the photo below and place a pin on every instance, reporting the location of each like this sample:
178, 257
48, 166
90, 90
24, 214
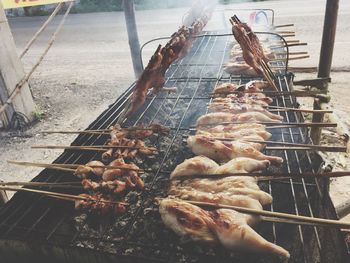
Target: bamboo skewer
295, 124
296, 93
78, 147
71, 167
59, 195
290, 58
280, 108
290, 53
67, 185
262, 177
283, 25
293, 146
298, 218
289, 45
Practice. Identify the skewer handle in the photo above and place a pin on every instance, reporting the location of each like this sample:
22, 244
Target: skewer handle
306, 219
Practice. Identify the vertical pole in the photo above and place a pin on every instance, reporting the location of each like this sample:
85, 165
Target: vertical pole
129, 12
328, 37
326, 55
12, 71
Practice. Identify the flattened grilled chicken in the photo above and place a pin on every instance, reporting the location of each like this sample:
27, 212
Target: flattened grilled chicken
244, 135
235, 68
221, 198
235, 127
220, 117
225, 88
226, 151
186, 219
239, 133
238, 108
232, 186
257, 85
225, 226
233, 231
199, 165
242, 165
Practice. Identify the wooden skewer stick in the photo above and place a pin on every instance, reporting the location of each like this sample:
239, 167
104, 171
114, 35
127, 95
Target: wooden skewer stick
103, 130
68, 185
296, 93
99, 148
283, 25
291, 53
262, 177
296, 124
72, 167
289, 45
287, 35
290, 58
59, 195
306, 219
309, 146
280, 108
300, 110
79, 132
285, 32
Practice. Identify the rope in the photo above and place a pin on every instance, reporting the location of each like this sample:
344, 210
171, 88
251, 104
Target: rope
41, 29
26, 78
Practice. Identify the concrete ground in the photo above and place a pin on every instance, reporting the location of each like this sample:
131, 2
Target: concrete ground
89, 66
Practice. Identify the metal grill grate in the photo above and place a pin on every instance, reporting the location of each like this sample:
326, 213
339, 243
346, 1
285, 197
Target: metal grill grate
140, 235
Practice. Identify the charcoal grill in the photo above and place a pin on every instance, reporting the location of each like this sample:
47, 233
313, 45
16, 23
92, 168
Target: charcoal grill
35, 228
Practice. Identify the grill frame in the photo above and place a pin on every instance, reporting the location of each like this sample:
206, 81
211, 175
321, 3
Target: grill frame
12, 239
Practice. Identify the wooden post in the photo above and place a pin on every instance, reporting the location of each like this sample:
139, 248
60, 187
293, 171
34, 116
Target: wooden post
11, 70
316, 117
328, 37
129, 12
3, 197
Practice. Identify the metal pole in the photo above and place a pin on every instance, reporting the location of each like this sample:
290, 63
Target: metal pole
129, 12
329, 29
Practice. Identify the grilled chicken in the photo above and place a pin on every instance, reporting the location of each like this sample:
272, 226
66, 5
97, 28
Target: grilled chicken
89, 169
234, 185
226, 151
235, 127
225, 226
98, 204
235, 68
220, 117
221, 198
243, 165
244, 135
237, 108
252, 99
217, 185
186, 219
199, 165
257, 85
233, 231
225, 88
238, 133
